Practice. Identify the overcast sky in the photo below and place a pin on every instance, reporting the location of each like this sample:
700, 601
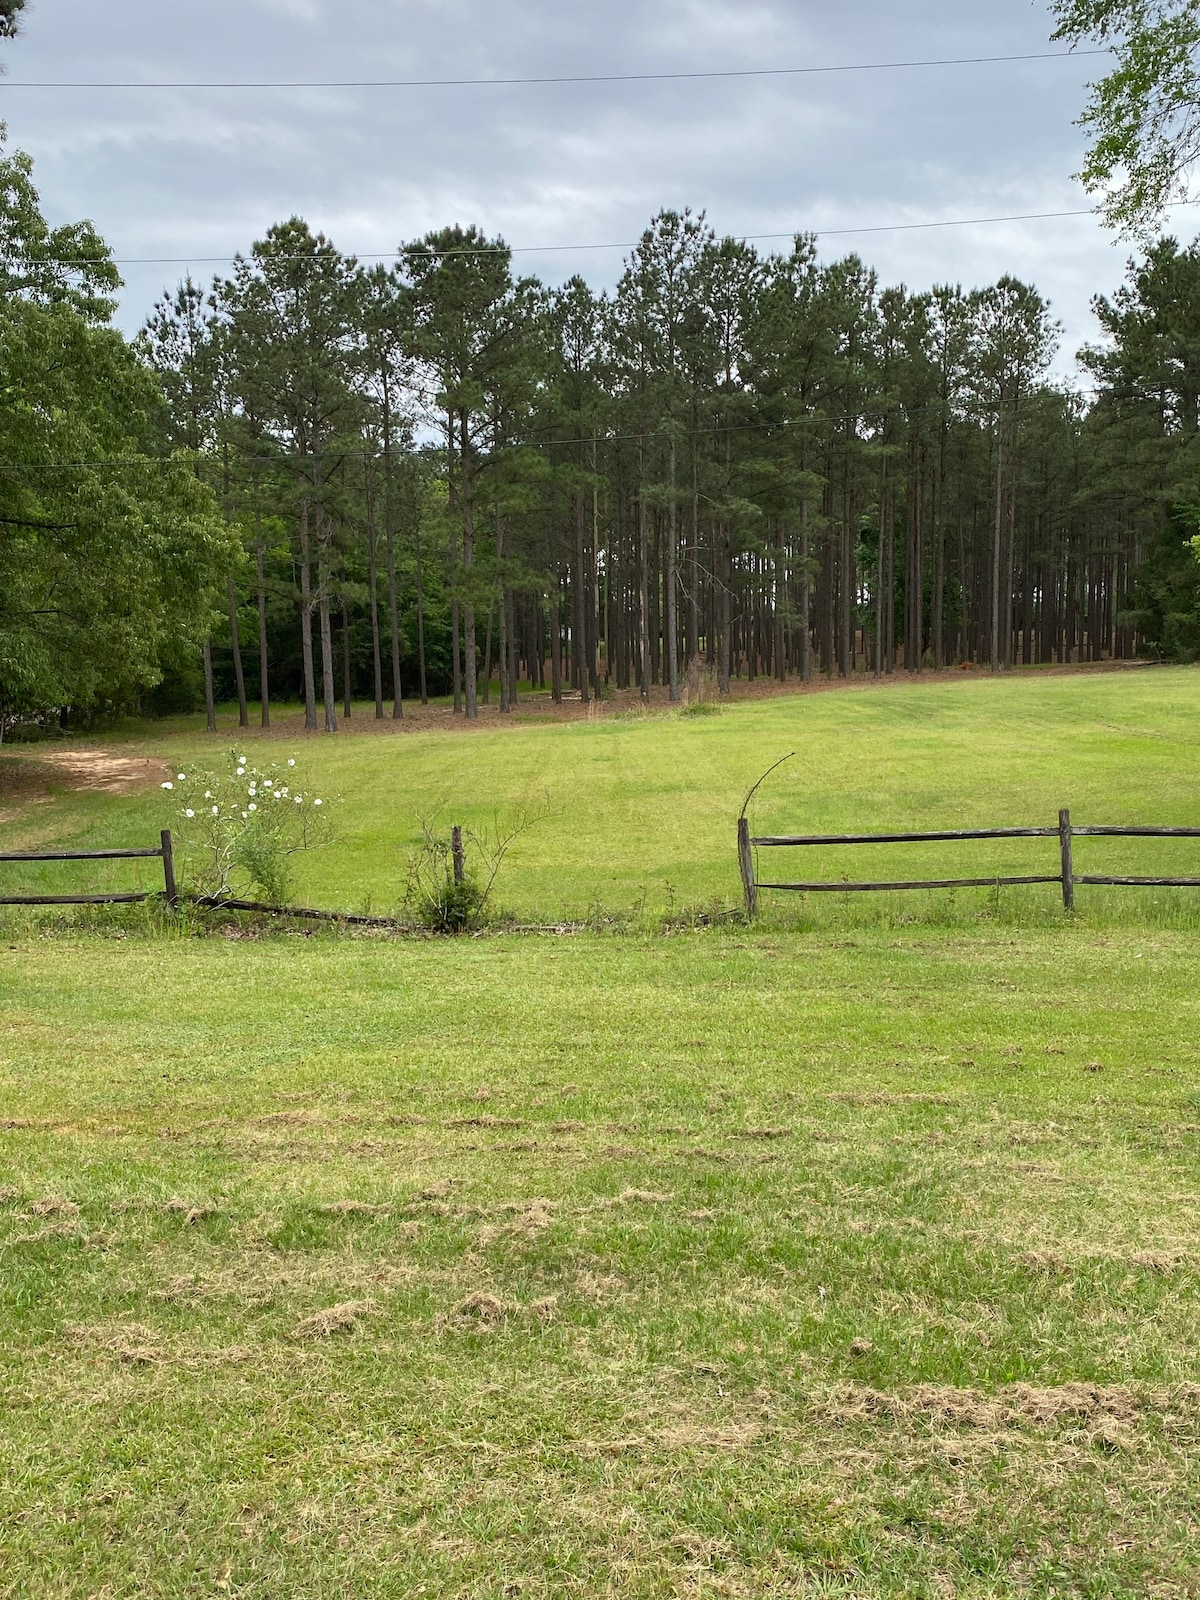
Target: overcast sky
201, 173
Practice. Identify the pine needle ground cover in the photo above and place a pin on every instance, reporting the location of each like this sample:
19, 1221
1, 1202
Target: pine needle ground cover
717, 1264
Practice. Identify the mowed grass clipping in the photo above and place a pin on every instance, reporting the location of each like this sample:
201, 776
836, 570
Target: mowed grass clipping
725, 1264
643, 808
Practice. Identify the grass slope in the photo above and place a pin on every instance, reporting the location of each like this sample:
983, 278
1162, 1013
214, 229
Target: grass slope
724, 1264
644, 806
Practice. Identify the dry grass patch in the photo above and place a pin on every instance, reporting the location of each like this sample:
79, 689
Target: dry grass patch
129, 1343
343, 1318
1016, 1406
629, 1197
486, 1310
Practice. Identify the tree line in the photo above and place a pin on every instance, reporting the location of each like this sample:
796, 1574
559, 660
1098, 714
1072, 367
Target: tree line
316, 479
447, 477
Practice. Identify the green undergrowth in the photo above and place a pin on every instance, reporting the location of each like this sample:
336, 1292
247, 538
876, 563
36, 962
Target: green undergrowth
738, 1263
945, 911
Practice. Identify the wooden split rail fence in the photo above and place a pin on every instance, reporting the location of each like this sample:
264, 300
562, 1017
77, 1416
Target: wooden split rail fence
1065, 832
165, 853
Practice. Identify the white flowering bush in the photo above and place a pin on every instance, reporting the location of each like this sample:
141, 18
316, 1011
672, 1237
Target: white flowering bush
238, 831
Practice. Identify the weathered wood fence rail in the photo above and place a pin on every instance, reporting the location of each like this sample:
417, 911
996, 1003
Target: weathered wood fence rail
165, 853
1065, 833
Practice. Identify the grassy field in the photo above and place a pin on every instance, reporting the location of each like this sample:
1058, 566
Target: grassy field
644, 807
855, 1254
720, 1264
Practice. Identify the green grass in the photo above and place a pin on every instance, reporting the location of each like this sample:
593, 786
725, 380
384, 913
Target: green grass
715, 1265
853, 1255
644, 806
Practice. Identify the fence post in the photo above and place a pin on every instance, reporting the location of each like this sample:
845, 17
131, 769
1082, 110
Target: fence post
168, 859
746, 862
456, 850
1068, 860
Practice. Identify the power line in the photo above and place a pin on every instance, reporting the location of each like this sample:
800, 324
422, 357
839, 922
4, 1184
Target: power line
553, 249
282, 458
606, 77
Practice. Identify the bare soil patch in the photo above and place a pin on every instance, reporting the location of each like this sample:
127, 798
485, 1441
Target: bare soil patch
102, 772
27, 781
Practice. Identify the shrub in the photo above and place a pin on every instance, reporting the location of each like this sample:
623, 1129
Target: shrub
451, 901
239, 832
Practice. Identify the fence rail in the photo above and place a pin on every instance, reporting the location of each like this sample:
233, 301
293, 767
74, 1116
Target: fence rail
164, 853
1065, 832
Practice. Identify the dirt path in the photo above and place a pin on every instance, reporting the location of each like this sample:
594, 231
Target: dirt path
27, 781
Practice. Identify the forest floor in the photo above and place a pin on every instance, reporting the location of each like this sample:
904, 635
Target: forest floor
854, 1254
726, 1264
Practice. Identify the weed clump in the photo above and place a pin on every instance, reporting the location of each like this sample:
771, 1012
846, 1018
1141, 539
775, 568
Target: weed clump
450, 881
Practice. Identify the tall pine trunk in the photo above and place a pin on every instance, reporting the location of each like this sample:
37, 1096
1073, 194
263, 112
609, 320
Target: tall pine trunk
805, 599
389, 537
471, 663
881, 579
672, 582
847, 591
421, 666
328, 690
260, 556
487, 649
235, 640
373, 592
725, 666
643, 665
579, 627
210, 704
997, 540
346, 684
306, 609
693, 623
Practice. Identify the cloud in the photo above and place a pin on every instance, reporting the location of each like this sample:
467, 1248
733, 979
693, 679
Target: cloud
302, 10
203, 173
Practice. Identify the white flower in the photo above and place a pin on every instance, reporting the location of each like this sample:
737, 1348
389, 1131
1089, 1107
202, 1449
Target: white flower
316, 802
299, 799
266, 783
182, 776
245, 816
291, 762
216, 811
208, 794
168, 785
189, 813
241, 772
253, 807
253, 788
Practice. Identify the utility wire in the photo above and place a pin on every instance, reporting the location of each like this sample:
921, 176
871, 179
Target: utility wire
605, 77
544, 249
283, 458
